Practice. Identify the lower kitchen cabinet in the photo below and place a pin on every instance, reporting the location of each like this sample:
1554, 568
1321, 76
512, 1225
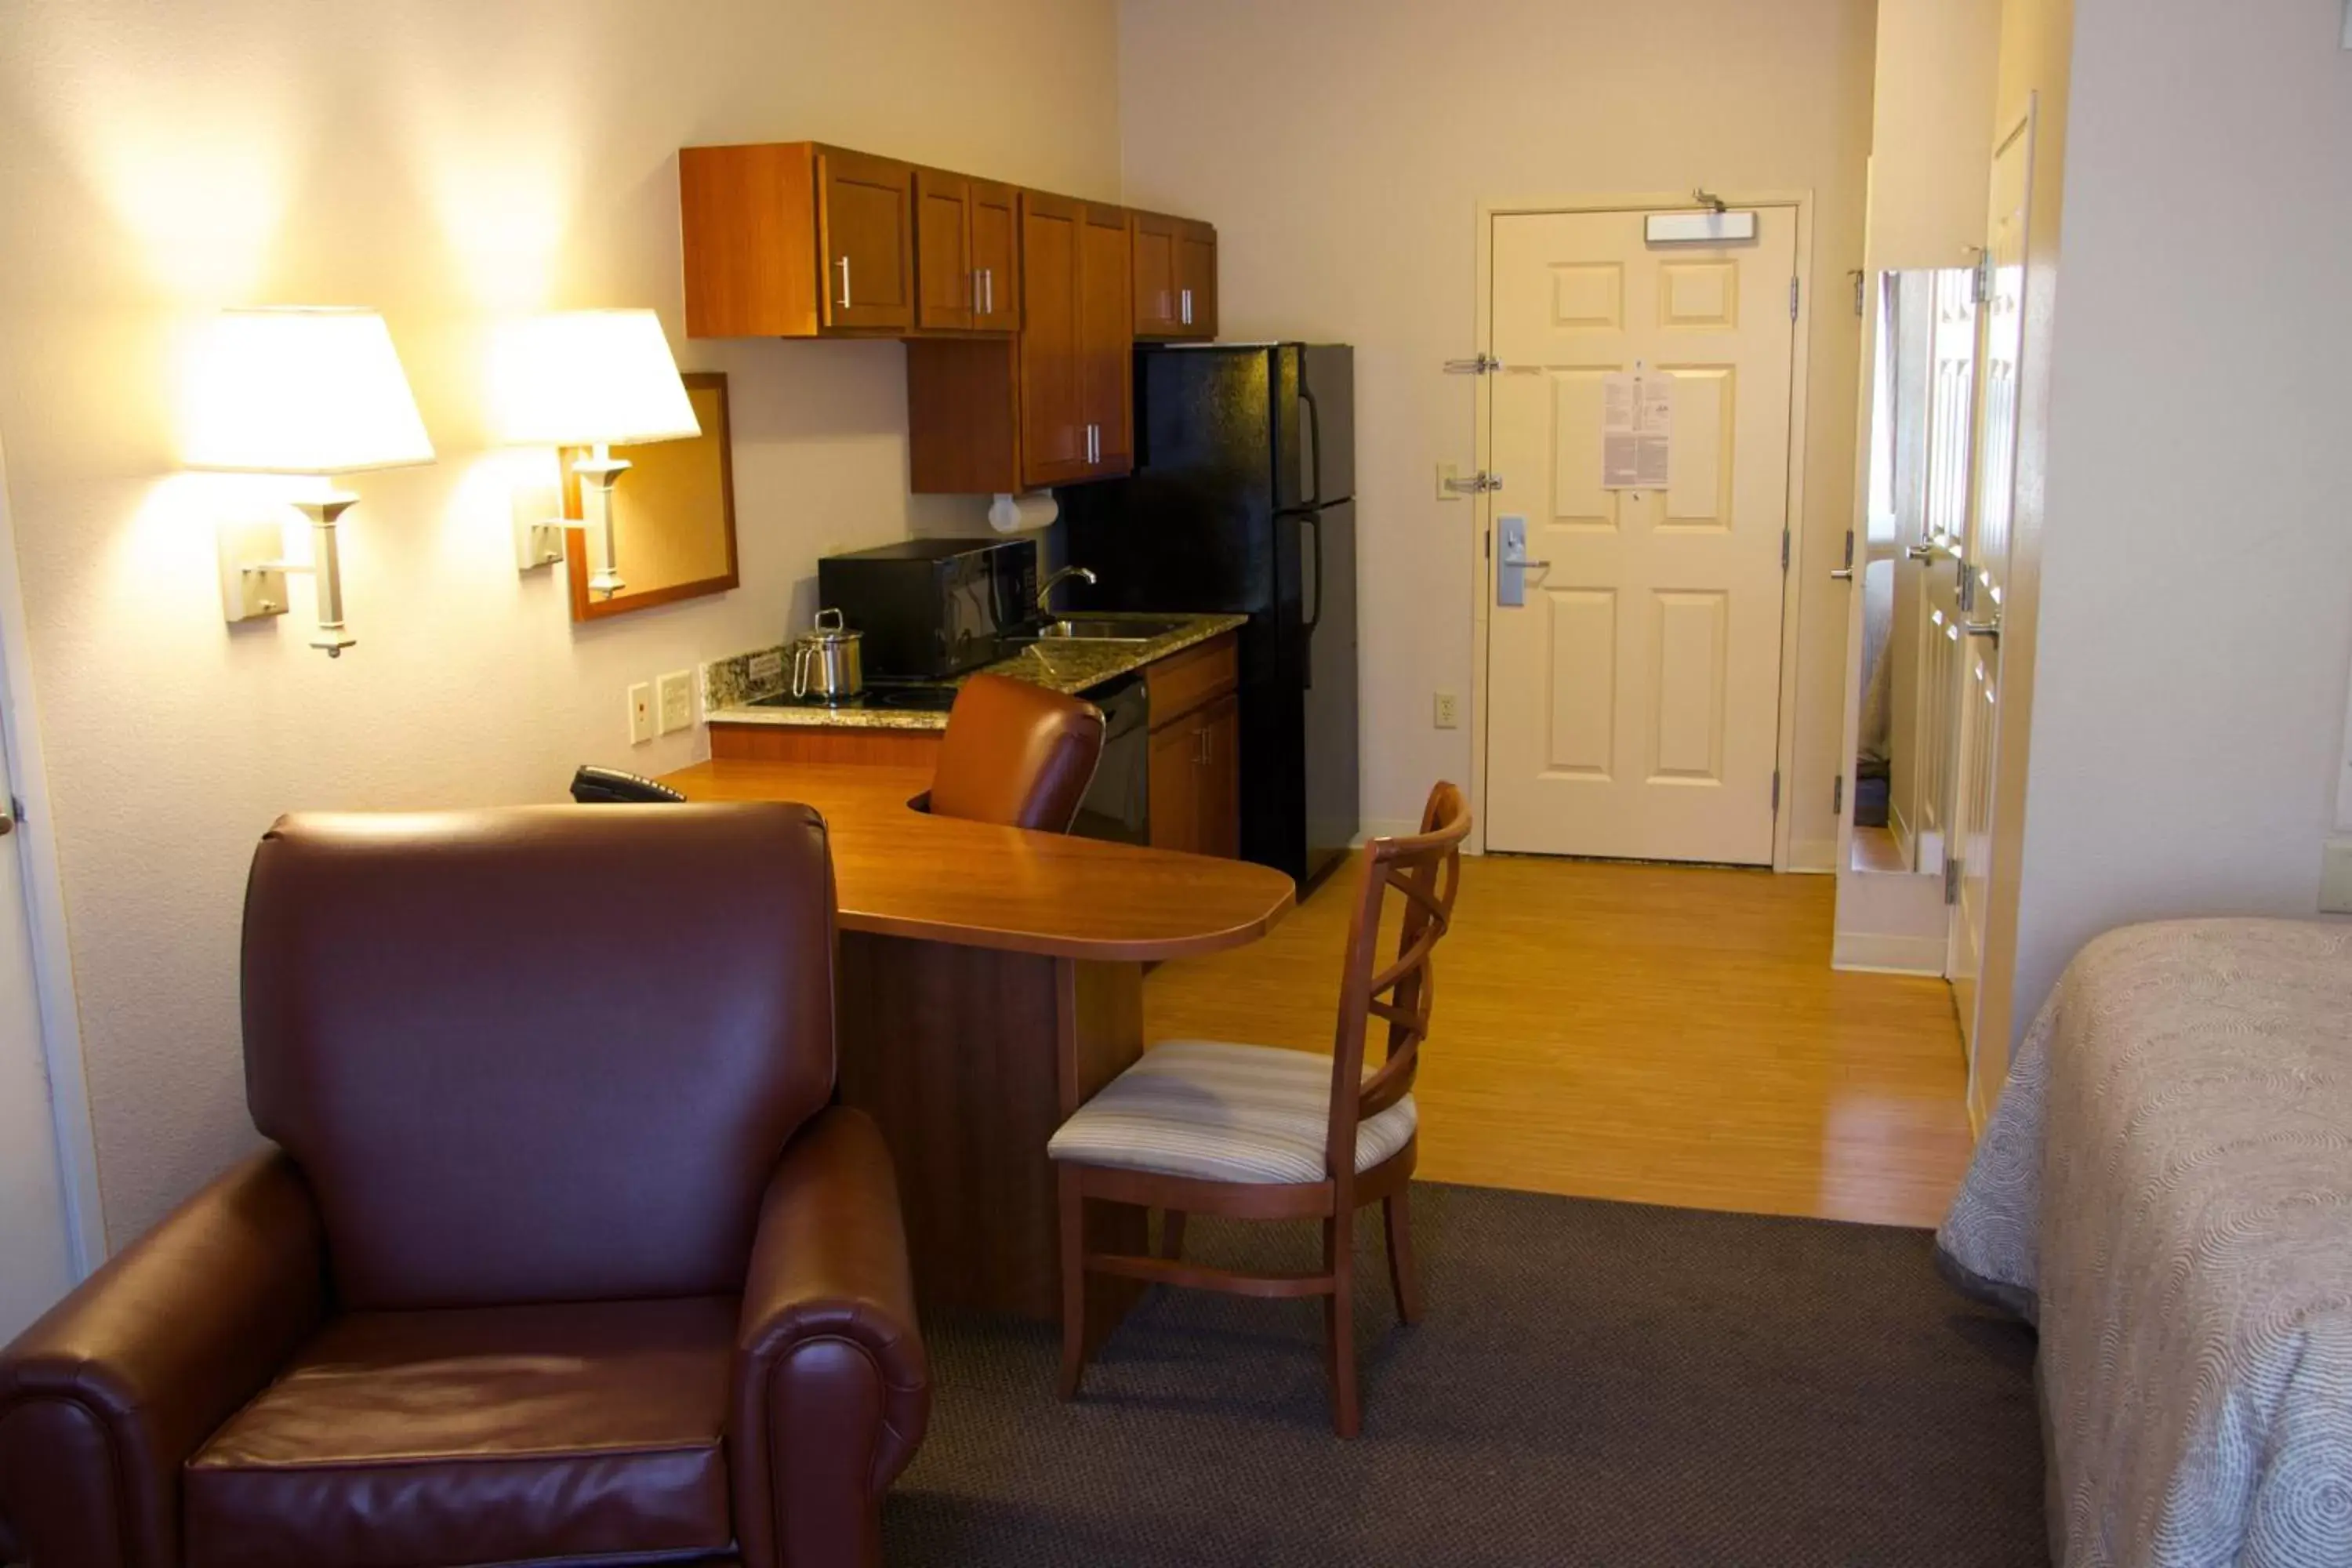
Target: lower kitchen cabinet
1196, 781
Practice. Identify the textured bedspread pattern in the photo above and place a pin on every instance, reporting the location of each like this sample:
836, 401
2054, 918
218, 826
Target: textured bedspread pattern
2166, 1185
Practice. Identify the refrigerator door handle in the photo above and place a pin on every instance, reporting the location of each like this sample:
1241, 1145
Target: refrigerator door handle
1314, 522
1313, 462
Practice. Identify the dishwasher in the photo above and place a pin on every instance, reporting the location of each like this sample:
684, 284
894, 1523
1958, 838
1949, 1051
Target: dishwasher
1117, 804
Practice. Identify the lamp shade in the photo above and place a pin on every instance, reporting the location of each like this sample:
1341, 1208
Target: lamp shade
576, 378
302, 390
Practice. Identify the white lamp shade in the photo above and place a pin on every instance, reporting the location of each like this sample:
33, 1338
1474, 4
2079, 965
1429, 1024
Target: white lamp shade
578, 377
302, 390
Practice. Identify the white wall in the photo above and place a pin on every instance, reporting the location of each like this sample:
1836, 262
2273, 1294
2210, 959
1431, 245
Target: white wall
1342, 148
2196, 594
441, 160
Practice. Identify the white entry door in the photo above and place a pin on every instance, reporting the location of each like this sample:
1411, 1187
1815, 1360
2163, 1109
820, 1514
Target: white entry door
1984, 567
36, 1265
1633, 699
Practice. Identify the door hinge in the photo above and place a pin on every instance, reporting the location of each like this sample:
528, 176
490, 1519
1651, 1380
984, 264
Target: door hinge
1784, 549
1486, 544
1477, 364
1794, 286
1951, 879
1857, 276
1776, 792
1980, 284
1837, 796
1476, 484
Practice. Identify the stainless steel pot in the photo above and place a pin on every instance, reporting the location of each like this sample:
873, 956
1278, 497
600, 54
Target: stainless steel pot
828, 663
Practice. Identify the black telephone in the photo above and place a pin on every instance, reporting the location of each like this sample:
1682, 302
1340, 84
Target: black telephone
593, 785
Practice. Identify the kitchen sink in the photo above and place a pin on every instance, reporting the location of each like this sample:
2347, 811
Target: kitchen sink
1106, 629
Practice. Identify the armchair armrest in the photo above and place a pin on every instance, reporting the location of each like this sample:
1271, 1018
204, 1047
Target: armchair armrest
831, 1387
104, 1398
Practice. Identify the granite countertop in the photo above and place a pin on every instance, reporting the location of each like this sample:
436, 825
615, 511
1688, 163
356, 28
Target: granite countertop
730, 686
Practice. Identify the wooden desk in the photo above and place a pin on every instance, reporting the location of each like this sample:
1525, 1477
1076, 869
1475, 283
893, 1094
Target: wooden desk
991, 981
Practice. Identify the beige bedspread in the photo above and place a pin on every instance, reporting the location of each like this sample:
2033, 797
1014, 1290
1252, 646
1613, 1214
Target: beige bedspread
2167, 1187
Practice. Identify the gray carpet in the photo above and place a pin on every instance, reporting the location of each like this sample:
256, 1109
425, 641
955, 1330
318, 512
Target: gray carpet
1591, 1383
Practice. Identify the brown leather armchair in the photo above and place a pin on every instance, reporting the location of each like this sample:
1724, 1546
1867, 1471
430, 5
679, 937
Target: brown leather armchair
1016, 755
562, 1253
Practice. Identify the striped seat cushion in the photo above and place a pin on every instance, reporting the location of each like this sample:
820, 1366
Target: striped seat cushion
1223, 1112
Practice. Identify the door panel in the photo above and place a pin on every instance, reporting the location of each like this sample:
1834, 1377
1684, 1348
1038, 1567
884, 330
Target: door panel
1052, 406
1154, 238
36, 1265
943, 271
1985, 567
1943, 510
1106, 337
1633, 700
996, 256
1196, 280
866, 205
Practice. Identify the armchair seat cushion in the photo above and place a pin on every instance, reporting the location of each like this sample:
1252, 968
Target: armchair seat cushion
504, 1434
1223, 1112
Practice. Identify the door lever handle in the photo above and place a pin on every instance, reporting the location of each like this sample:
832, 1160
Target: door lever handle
1841, 574
1918, 552
1990, 629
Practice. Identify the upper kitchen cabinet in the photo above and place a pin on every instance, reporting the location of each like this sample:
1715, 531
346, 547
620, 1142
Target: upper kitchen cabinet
796, 240
967, 254
1054, 405
1175, 276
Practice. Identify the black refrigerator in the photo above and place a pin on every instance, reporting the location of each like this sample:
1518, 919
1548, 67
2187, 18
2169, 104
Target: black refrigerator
1242, 499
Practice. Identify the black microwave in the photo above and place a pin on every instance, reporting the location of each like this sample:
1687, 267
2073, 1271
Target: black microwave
930, 608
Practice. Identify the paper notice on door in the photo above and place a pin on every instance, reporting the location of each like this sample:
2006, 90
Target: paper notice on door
1637, 429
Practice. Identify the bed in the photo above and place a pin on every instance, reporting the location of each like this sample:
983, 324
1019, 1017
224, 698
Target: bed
2166, 1188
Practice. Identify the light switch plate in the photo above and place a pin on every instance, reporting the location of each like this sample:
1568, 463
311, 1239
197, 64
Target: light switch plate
674, 695
641, 713
2336, 878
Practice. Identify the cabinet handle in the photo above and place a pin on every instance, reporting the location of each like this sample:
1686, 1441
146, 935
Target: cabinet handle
1200, 747
974, 275
845, 282
1187, 298
988, 275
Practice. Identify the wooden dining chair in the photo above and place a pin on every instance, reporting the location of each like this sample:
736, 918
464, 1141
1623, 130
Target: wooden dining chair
1016, 755
1257, 1132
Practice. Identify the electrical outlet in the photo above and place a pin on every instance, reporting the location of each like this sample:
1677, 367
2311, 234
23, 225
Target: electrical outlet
641, 713
676, 694
1446, 474
1449, 716
2336, 878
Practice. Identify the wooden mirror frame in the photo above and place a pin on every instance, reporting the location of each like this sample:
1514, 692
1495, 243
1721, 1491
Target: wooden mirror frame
578, 547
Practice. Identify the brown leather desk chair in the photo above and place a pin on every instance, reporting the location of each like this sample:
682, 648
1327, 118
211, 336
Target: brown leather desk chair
562, 1253
1016, 755
1256, 1133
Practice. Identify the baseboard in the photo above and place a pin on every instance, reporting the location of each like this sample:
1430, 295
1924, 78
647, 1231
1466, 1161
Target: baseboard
1888, 954
1812, 855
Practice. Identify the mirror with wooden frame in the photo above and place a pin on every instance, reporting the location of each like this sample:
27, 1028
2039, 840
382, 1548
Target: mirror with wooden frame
672, 515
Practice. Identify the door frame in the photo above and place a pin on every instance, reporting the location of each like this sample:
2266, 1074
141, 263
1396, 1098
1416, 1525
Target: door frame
34, 843
1800, 203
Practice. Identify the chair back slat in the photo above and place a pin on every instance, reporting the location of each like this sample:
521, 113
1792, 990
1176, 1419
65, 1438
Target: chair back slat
1426, 869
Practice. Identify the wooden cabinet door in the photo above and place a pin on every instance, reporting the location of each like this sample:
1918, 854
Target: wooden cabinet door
866, 213
995, 257
1106, 339
1196, 280
1154, 239
946, 287
1054, 439
1219, 796
1176, 787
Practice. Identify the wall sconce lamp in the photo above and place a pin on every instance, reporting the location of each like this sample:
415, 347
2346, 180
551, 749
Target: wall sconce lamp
298, 390
594, 379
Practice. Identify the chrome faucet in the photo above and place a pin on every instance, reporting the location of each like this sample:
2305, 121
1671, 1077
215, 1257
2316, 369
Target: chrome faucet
1045, 611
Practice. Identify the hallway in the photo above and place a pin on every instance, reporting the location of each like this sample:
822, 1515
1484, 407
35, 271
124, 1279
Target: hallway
1651, 1033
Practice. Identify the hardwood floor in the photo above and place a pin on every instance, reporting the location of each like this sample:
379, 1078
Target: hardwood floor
1658, 1035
